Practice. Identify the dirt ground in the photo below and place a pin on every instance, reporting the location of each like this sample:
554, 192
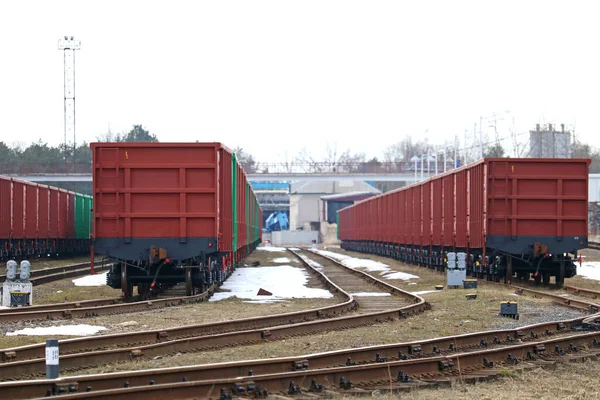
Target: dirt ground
452, 313
205, 312
573, 380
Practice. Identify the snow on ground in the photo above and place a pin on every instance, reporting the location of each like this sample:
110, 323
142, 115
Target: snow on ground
424, 292
4, 308
400, 275
285, 282
70, 330
282, 260
589, 269
270, 248
369, 265
370, 294
91, 280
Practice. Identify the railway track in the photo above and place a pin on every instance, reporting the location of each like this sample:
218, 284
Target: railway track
445, 347
40, 276
97, 307
369, 297
367, 368
82, 353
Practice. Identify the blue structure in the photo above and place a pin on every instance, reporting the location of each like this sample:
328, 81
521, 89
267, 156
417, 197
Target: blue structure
270, 186
277, 221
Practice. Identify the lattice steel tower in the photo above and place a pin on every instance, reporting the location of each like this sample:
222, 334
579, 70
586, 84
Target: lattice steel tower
69, 45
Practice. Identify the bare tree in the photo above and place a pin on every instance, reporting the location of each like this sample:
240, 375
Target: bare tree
246, 160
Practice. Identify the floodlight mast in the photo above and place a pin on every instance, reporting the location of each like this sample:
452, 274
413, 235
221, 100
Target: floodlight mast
68, 44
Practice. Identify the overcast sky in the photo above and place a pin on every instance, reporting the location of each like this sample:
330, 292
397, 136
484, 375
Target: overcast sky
276, 76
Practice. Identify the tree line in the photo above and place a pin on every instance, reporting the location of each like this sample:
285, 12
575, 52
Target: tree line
39, 157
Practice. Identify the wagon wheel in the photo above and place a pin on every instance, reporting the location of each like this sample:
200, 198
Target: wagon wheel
144, 290
189, 286
126, 287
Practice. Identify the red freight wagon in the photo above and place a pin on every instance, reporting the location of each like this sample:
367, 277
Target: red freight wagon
170, 212
18, 210
510, 216
31, 211
32, 222
5, 216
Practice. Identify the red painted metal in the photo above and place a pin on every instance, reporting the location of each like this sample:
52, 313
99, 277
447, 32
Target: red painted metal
53, 213
18, 209
225, 201
144, 193
63, 214
460, 208
43, 211
5, 208
31, 211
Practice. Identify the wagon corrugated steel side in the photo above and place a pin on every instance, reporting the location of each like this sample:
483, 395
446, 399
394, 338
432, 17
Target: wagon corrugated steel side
161, 195
36, 220
5, 214
18, 209
495, 208
31, 212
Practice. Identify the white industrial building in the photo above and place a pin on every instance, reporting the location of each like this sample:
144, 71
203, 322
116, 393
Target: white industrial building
307, 209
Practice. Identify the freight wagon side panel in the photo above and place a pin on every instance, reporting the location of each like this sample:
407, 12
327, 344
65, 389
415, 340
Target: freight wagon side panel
436, 206
63, 214
225, 201
426, 213
476, 201
149, 194
18, 209
416, 215
89, 216
394, 217
460, 210
80, 226
54, 213
72, 230
31, 211
448, 210
5, 208
537, 201
43, 212
402, 225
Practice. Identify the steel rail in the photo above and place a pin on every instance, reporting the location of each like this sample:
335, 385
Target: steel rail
38, 275
94, 308
594, 245
363, 355
193, 338
367, 376
582, 291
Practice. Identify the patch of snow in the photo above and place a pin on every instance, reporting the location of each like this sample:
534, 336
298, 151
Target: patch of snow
4, 308
412, 283
589, 270
424, 292
70, 330
371, 294
285, 282
265, 301
401, 275
59, 291
270, 248
294, 248
91, 280
369, 265
282, 260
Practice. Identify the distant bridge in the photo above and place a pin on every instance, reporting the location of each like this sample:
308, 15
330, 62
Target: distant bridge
278, 177
278, 172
